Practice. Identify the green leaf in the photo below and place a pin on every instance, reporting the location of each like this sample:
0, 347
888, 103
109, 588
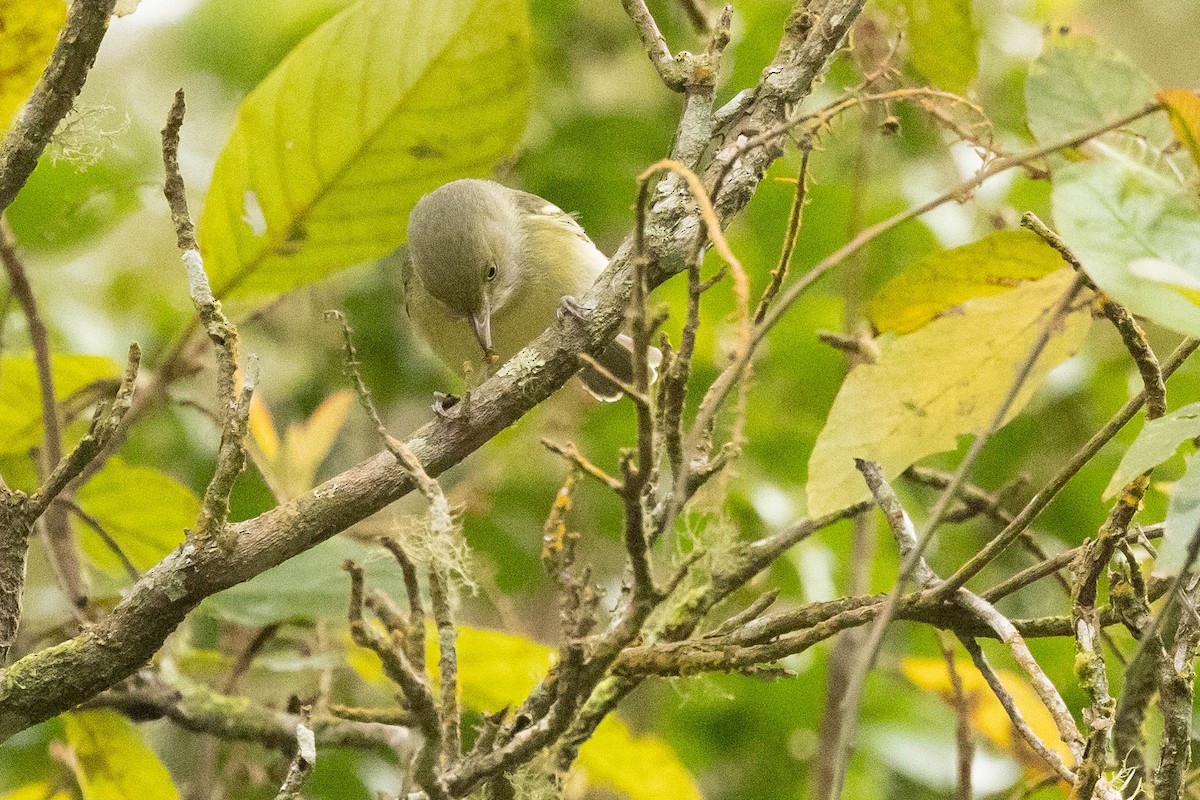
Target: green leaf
381, 104
943, 42
112, 762
944, 381
1076, 84
1137, 234
1158, 441
939, 281
143, 510
310, 585
1183, 522
20, 393
497, 669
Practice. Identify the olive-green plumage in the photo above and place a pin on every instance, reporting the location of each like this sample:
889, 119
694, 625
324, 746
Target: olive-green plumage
488, 267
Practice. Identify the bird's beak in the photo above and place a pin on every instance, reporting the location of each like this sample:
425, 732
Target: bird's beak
482, 322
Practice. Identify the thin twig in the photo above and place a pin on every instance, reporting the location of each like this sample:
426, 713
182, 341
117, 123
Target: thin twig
234, 399
439, 601
55, 528
105, 536
962, 718
304, 760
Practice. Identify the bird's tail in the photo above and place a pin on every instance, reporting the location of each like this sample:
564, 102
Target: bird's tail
617, 358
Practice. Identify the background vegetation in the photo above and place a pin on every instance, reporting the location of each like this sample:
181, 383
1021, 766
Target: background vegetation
97, 241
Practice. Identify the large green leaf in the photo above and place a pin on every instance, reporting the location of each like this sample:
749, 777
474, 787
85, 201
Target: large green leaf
311, 585
20, 393
942, 280
943, 41
1076, 84
1183, 522
930, 387
112, 762
378, 106
143, 510
1158, 441
1137, 233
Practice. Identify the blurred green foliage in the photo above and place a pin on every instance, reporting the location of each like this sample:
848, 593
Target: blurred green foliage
101, 255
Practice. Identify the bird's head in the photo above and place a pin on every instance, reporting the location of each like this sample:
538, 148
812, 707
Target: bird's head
464, 244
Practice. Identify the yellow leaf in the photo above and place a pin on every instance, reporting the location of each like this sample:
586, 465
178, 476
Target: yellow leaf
306, 444
1183, 109
497, 669
942, 280
37, 791
112, 762
641, 767
987, 714
28, 31
930, 387
262, 430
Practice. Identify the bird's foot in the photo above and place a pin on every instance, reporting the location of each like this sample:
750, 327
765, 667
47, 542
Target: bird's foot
570, 307
448, 406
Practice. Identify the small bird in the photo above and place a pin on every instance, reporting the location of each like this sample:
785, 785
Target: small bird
489, 268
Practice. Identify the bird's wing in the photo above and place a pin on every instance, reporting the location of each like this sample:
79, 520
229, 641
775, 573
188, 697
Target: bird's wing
544, 211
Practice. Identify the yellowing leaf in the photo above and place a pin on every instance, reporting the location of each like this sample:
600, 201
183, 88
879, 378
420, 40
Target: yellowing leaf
987, 714
262, 431
28, 31
498, 669
143, 510
944, 381
37, 791
943, 41
379, 105
1183, 108
112, 762
20, 393
290, 466
642, 767
306, 444
939, 281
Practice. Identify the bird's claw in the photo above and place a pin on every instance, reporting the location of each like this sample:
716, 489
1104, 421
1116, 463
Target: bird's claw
570, 307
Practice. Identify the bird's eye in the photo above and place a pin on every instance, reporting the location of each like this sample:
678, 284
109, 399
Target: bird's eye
491, 272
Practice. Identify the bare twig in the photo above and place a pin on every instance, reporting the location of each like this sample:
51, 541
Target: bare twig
98, 529
55, 528
304, 760
414, 687
571, 453
1131, 333
235, 400
962, 719
439, 601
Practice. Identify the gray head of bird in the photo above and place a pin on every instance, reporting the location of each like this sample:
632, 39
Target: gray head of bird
464, 245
